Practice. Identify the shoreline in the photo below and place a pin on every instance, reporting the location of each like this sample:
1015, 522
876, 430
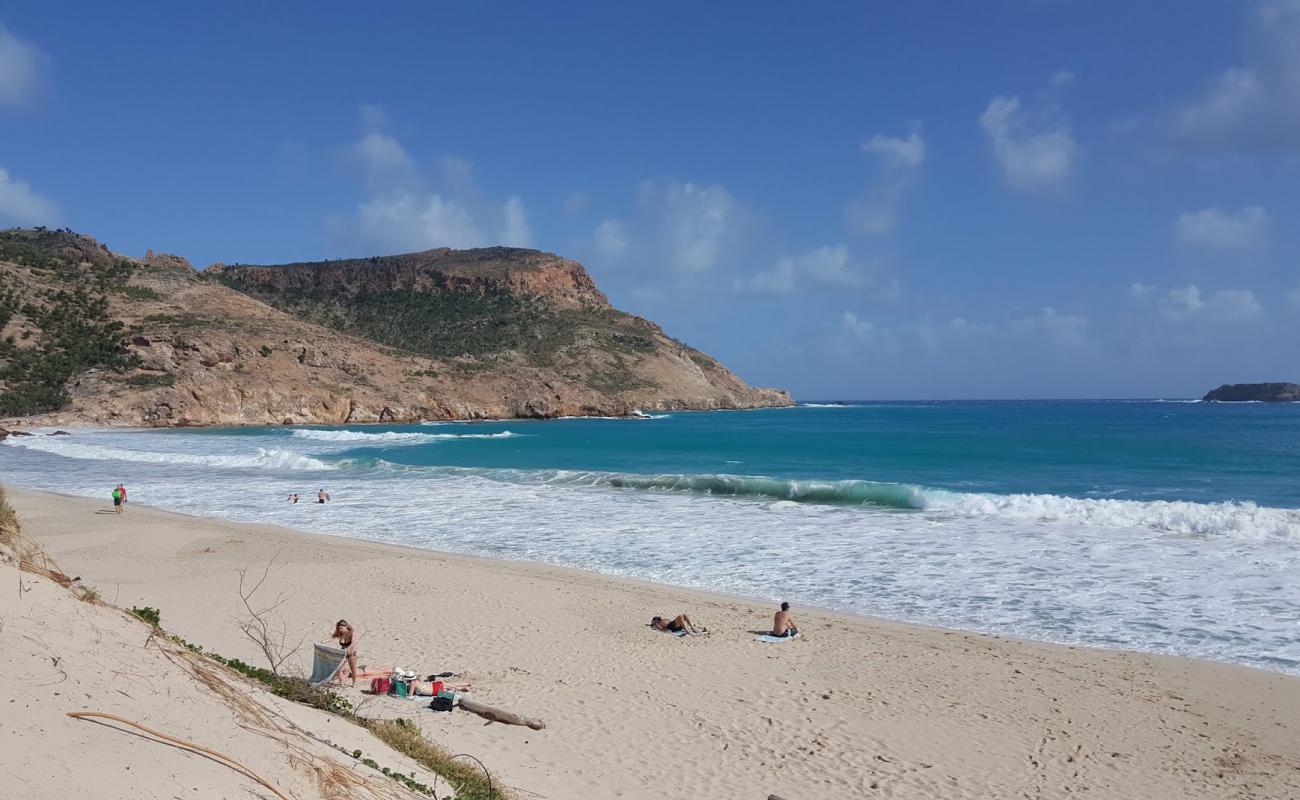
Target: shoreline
11, 424
858, 707
580, 573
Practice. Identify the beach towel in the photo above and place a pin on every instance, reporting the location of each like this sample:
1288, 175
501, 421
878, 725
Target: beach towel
327, 660
767, 637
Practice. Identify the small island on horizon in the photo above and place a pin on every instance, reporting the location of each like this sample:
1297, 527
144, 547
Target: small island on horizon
1254, 393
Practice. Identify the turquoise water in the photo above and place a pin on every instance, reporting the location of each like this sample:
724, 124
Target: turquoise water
1203, 452
1163, 526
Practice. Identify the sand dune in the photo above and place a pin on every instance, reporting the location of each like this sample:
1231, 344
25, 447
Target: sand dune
856, 708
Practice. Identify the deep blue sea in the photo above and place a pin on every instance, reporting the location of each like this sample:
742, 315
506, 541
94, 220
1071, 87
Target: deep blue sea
1165, 526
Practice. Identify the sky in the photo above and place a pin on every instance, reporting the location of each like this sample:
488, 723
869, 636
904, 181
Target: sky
1007, 199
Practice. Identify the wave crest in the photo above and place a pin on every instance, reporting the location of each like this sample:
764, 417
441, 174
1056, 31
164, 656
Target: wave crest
391, 437
263, 458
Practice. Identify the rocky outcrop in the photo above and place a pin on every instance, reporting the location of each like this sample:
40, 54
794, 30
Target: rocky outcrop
489, 271
211, 349
1255, 393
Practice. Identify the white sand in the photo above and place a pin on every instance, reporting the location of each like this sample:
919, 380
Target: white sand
856, 708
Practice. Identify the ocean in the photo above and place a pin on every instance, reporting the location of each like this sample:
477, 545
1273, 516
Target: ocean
1163, 526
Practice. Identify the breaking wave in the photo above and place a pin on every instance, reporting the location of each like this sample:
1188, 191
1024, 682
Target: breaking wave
262, 458
1235, 519
392, 437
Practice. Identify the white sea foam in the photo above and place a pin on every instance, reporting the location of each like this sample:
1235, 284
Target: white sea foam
392, 437
828, 405
259, 458
1243, 520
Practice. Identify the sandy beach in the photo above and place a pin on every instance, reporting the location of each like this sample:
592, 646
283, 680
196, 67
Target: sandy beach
856, 708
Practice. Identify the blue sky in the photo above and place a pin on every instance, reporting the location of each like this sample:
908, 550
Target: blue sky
1029, 198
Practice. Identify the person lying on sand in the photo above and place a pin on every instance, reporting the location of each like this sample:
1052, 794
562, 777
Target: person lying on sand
347, 640
679, 623
783, 623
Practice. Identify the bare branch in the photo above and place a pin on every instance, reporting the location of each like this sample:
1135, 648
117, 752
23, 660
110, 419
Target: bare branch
259, 624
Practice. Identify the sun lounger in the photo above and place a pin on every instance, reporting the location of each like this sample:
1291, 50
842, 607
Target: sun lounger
326, 662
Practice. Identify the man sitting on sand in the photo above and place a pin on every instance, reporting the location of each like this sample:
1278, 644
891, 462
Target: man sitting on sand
783, 623
679, 623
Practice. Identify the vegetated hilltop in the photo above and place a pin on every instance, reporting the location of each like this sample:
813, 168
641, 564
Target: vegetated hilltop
89, 336
1255, 393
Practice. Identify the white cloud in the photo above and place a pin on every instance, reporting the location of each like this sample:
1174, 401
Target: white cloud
1213, 227
901, 158
23, 69
514, 226
1062, 77
898, 153
1188, 304
19, 205
696, 223
1254, 107
823, 266
1035, 150
385, 164
401, 213
610, 239
406, 221
1293, 298
857, 328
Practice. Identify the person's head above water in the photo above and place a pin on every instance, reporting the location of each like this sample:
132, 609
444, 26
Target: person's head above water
785, 606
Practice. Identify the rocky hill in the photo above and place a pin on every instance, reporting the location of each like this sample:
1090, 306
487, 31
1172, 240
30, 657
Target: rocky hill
1255, 392
89, 336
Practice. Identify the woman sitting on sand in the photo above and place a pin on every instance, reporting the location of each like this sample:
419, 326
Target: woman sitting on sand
347, 640
675, 625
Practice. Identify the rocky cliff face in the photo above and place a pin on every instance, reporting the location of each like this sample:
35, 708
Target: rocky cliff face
1255, 392
444, 334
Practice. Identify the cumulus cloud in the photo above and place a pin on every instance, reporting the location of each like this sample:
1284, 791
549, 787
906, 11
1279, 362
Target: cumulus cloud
1189, 304
900, 159
20, 205
514, 224
1213, 227
856, 328
401, 212
1253, 107
610, 239
695, 224
23, 68
898, 153
1034, 149
822, 266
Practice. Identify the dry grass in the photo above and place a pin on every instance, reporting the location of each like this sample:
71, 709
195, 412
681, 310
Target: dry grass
467, 776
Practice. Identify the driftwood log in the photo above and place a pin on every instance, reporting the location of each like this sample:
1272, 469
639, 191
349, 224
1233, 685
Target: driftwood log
498, 715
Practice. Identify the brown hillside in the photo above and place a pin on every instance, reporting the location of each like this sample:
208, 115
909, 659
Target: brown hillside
443, 334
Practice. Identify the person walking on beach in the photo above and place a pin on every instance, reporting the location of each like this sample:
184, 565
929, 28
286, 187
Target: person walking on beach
322, 497
783, 624
119, 497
